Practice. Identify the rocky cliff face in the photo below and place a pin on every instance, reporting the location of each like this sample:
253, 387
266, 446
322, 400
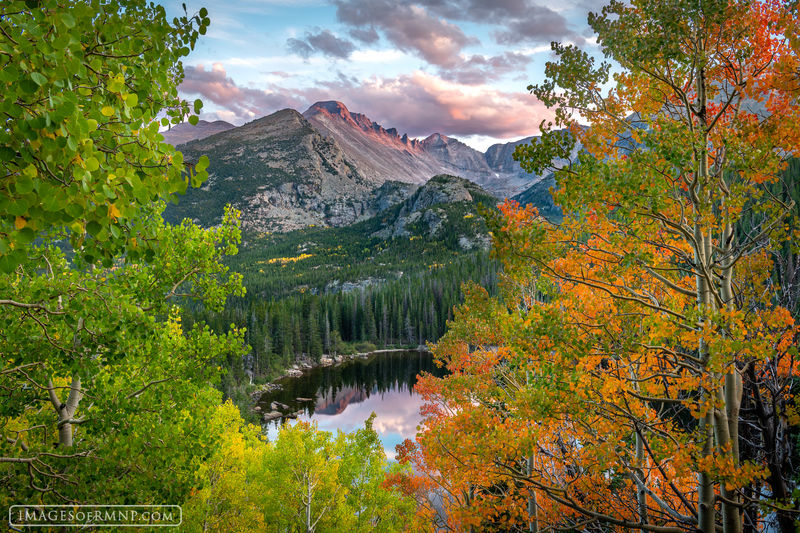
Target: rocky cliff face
444, 207
281, 173
379, 154
185, 132
382, 154
329, 167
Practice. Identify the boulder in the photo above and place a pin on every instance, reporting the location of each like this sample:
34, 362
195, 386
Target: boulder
272, 415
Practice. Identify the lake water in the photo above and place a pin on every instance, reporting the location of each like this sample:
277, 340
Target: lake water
343, 396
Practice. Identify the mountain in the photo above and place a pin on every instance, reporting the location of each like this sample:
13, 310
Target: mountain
379, 154
327, 167
436, 225
185, 132
283, 175
444, 208
511, 178
539, 195
382, 154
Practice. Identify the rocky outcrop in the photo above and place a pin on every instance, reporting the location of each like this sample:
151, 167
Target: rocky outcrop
444, 205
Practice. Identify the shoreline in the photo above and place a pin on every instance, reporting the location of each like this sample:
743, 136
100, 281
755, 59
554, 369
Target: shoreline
299, 368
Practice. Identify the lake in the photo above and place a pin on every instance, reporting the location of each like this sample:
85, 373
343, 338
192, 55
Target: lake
343, 396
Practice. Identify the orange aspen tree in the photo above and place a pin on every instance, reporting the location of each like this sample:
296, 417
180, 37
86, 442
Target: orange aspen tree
606, 386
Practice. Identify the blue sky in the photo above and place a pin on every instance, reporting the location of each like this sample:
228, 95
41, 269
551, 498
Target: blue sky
455, 67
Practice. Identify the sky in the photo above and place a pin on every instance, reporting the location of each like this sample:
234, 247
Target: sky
397, 417
455, 67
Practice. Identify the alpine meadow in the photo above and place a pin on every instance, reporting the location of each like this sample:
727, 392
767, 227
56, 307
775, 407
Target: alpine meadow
254, 318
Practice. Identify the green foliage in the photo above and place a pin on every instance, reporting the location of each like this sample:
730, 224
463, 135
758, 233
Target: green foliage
116, 335
306, 480
102, 390
84, 85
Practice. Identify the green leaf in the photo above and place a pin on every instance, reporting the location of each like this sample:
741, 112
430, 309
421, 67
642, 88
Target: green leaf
68, 20
93, 227
203, 12
8, 263
24, 185
193, 120
28, 86
74, 210
39, 78
18, 208
25, 235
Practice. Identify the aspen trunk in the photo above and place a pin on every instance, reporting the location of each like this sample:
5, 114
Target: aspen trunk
641, 494
310, 495
700, 195
731, 512
705, 508
533, 510
66, 410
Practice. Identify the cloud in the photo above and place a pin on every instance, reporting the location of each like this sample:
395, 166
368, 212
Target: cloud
480, 69
409, 27
324, 42
540, 24
421, 103
517, 21
418, 103
239, 103
367, 36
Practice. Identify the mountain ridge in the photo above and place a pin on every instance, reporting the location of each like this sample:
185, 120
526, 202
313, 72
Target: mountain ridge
185, 132
384, 154
328, 166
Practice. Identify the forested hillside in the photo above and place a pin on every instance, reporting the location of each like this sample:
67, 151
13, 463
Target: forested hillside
391, 280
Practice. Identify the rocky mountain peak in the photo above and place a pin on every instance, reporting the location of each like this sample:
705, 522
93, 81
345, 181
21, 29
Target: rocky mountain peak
287, 115
435, 139
331, 107
333, 116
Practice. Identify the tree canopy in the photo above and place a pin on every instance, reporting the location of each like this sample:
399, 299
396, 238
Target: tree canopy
639, 370
103, 390
86, 87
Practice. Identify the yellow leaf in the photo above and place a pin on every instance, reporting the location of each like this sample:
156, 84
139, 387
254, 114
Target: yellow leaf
20, 222
107, 111
113, 212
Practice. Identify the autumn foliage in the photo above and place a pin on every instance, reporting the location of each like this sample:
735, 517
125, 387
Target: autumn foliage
637, 371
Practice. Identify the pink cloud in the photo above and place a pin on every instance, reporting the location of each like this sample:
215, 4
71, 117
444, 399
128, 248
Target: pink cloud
215, 85
418, 104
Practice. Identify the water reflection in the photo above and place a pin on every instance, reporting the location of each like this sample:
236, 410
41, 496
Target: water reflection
342, 397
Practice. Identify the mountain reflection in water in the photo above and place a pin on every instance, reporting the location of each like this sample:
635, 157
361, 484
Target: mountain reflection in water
342, 397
